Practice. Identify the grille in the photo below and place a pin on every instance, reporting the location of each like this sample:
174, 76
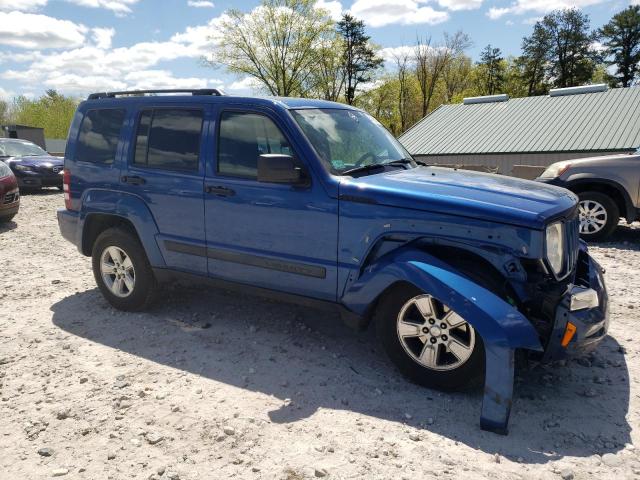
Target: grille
572, 233
10, 198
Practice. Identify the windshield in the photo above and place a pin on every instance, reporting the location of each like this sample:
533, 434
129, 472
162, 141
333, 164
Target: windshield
20, 149
347, 139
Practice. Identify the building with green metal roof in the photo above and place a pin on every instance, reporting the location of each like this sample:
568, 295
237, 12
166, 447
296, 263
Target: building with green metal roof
511, 136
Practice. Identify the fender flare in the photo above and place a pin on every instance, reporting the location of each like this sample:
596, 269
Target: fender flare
128, 207
580, 179
496, 321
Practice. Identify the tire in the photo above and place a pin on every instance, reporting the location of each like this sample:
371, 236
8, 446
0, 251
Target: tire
7, 219
599, 216
396, 304
126, 280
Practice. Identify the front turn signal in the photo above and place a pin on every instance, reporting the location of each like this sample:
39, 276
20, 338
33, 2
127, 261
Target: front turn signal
569, 332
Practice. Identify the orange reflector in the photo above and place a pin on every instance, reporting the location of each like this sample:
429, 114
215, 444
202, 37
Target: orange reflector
568, 334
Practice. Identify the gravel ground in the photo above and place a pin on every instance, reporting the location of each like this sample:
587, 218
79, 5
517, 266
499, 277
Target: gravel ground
211, 384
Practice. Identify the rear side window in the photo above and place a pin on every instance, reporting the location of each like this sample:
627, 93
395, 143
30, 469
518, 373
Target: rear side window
169, 139
243, 138
98, 136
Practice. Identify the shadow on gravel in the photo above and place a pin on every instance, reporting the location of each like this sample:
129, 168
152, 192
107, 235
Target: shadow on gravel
310, 357
43, 192
625, 237
8, 226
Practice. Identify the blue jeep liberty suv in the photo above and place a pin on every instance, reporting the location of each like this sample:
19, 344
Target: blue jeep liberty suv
316, 202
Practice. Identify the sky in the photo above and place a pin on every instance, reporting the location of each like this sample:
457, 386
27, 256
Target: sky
83, 46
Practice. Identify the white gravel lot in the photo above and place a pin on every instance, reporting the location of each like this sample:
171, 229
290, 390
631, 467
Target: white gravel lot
211, 384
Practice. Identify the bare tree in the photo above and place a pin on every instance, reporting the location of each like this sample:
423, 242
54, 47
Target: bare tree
402, 60
457, 69
431, 62
276, 43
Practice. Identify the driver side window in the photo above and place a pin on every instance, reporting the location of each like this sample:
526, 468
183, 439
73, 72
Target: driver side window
243, 138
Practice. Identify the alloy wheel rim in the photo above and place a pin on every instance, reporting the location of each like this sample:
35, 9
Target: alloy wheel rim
118, 274
593, 217
433, 335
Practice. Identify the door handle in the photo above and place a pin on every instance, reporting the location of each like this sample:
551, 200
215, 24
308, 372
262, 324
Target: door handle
220, 191
134, 180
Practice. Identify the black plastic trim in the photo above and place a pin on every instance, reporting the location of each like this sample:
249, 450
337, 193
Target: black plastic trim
247, 259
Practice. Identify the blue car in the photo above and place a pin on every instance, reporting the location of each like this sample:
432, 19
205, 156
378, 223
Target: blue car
315, 202
33, 167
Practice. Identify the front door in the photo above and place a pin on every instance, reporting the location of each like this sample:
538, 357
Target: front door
276, 236
166, 171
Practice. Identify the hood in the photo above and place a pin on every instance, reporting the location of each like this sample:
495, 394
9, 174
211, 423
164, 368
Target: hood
37, 161
484, 196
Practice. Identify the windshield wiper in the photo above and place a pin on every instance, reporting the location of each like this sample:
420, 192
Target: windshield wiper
363, 168
401, 161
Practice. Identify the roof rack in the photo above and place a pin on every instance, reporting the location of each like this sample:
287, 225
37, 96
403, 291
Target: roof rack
198, 91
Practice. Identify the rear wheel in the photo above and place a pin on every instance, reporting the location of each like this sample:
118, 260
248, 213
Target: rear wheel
429, 342
122, 271
599, 215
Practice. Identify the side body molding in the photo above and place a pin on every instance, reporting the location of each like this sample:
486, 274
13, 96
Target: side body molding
502, 327
128, 207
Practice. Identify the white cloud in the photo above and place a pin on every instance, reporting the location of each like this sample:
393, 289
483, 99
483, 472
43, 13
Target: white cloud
164, 79
23, 5
332, 6
200, 4
6, 94
96, 66
244, 86
119, 7
28, 30
460, 4
378, 13
103, 36
389, 54
520, 7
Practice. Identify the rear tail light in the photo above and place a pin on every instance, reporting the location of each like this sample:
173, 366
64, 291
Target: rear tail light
66, 188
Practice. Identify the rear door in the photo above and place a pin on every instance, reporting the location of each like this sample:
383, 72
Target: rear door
166, 169
276, 236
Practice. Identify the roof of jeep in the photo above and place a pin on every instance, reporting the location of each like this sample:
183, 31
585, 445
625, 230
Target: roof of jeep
288, 103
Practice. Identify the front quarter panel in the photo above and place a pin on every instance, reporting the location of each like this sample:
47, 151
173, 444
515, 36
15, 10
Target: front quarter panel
498, 323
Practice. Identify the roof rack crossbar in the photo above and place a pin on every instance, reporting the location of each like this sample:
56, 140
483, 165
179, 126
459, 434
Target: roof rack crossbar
196, 91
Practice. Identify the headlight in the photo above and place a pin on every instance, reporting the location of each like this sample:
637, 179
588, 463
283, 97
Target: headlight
23, 168
555, 246
556, 170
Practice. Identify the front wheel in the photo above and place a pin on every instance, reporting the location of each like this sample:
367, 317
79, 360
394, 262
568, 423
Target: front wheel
599, 215
122, 271
429, 343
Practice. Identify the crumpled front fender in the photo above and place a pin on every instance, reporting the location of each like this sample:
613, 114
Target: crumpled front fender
502, 327
497, 322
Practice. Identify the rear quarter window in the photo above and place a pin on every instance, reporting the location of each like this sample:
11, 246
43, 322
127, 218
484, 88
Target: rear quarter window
169, 139
98, 136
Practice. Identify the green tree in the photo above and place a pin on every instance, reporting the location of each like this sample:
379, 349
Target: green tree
359, 57
571, 55
4, 112
534, 60
277, 44
327, 79
491, 71
621, 38
52, 111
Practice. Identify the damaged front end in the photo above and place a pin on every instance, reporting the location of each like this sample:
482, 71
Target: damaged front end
551, 318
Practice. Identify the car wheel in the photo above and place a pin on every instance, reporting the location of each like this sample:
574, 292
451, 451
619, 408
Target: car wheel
429, 342
599, 215
122, 270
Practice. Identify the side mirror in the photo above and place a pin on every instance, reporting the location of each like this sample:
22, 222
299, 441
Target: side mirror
279, 168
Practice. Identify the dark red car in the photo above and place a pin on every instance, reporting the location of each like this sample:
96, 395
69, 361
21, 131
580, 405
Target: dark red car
9, 194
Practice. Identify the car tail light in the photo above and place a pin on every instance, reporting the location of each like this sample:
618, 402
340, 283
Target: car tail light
66, 188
